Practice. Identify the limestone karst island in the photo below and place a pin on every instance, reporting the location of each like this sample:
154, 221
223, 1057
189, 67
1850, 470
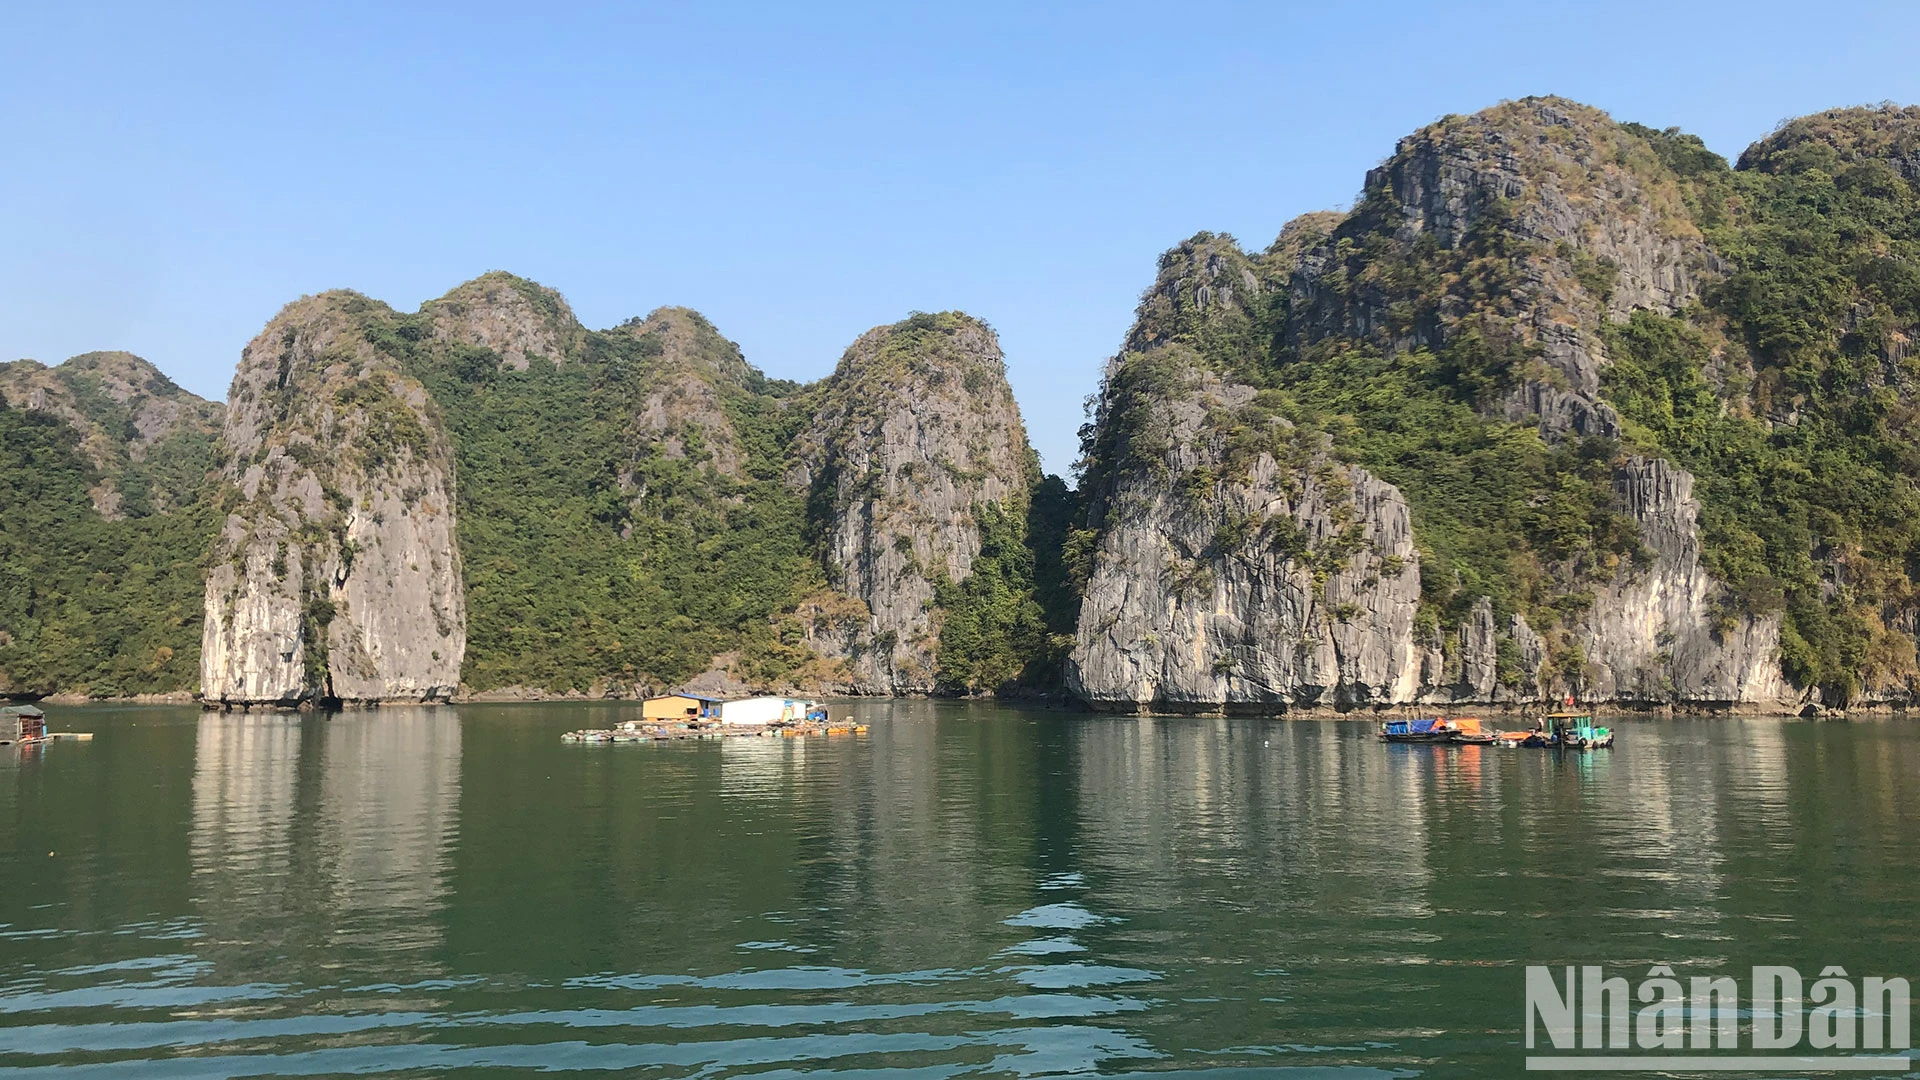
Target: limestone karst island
741, 543
1562, 407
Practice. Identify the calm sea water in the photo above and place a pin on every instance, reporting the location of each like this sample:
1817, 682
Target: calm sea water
967, 890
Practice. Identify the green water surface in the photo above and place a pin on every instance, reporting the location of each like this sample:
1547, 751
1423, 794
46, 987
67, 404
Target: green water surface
966, 890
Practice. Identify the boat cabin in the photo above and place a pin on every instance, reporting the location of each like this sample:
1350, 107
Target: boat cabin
1578, 731
672, 707
19, 723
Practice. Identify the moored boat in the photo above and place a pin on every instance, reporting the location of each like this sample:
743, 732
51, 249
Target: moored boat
1462, 731
1468, 731
1577, 731
1425, 730
1536, 737
1561, 730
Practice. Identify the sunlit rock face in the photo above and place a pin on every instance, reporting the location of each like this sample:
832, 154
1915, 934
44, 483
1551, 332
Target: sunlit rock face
1227, 576
1530, 228
917, 431
336, 575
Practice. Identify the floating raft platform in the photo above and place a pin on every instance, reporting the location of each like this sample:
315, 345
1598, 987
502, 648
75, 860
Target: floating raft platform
651, 733
51, 736
26, 725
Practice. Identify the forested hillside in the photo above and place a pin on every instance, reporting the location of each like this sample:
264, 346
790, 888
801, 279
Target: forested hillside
105, 521
623, 510
1790, 389
633, 508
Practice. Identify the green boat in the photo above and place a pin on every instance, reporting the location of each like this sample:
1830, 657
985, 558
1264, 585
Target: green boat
1577, 731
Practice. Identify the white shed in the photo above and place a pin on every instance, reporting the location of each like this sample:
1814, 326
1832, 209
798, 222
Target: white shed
760, 711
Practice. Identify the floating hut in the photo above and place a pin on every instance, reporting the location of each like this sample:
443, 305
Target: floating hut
689, 716
22, 723
762, 711
680, 707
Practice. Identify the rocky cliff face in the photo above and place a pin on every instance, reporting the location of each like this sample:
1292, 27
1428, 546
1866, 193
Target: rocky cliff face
1592, 227
1671, 633
512, 317
1555, 217
136, 427
916, 431
1238, 565
1506, 243
336, 575
679, 412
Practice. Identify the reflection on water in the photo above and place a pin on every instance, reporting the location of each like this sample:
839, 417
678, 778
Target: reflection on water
245, 778
966, 890
389, 812
323, 836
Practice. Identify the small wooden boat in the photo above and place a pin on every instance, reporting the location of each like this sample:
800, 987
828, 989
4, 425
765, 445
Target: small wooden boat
1577, 731
1564, 730
1537, 739
1464, 731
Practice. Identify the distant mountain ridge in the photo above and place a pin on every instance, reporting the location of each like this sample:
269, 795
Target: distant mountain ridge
1562, 406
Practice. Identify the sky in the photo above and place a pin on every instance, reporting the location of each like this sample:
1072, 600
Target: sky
171, 175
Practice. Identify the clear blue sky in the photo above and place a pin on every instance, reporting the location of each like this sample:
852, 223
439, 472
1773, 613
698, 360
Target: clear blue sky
799, 172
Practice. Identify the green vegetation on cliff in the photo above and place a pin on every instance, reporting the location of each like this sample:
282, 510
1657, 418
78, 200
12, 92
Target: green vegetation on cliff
994, 633
919, 465
1790, 394
598, 553
632, 508
93, 605
1499, 511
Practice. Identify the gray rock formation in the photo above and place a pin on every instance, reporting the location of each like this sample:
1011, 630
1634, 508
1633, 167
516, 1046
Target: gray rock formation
689, 366
1474, 674
515, 318
917, 431
1239, 567
1672, 633
1471, 669
1530, 225
335, 575
1597, 231
1589, 223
